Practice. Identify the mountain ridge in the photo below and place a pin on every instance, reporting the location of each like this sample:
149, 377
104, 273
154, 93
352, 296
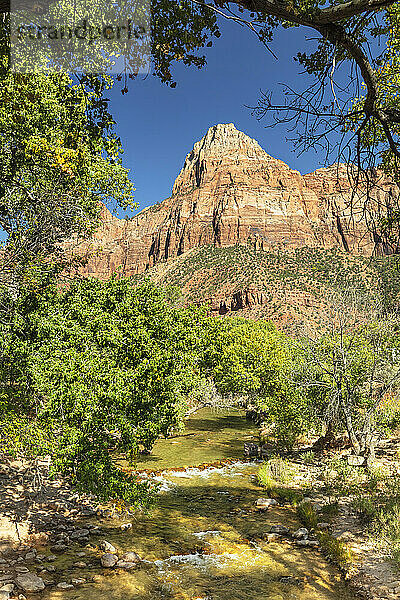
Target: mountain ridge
230, 191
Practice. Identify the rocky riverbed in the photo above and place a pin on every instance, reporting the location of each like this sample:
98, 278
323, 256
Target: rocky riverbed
215, 535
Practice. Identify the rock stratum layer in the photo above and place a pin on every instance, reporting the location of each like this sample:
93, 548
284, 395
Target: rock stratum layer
230, 191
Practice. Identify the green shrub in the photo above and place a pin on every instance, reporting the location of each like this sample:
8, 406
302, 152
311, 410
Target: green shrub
274, 475
276, 471
307, 457
338, 552
307, 515
365, 507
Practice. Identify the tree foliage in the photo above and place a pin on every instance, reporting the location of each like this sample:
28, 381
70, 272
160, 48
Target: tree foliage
350, 367
104, 368
253, 360
60, 158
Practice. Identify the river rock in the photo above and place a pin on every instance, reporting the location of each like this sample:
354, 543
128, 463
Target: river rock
281, 529
107, 547
308, 543
4, 594
63, 585
109, 560
78, 581
9, 587
123, 564
131, 557
301, 534
80, 564
21, 569
30, 582
265, 503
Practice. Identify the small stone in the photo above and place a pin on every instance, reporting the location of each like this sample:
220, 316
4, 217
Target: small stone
80, 564
345, 536
323, 525
355, 461
9, 587
59, 548
131, 557
63, 585
21, 597
308, 543
281, 529
107, 547
31, 555
51, 569
30, 582
51, 558
126, 526
265, 503
22, 569
123, 564
289, 580
80, 533
78, 581
80, 554
273, 537
96, 530
2, 561
109, 560
301, 533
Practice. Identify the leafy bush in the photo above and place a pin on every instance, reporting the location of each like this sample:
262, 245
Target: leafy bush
277, 470
308, 457
341, 479
307, 515
338, 552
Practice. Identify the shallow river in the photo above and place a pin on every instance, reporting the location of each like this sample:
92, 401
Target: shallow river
199, 543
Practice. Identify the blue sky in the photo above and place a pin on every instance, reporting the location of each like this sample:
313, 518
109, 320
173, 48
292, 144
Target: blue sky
158, 125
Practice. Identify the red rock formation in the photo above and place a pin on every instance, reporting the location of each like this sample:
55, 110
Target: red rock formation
230, 191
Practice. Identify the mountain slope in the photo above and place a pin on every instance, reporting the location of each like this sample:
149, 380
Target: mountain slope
287, 288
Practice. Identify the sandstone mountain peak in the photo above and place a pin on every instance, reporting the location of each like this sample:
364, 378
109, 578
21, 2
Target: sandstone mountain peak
224, 137
231, 192
222, 143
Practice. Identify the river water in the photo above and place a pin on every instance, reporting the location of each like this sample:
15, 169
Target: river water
203, 541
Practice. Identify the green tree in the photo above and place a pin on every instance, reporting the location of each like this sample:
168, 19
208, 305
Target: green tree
60, 158
349, 366
103, 368
253, 360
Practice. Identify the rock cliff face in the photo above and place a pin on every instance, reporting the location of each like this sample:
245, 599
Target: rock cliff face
230, 191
